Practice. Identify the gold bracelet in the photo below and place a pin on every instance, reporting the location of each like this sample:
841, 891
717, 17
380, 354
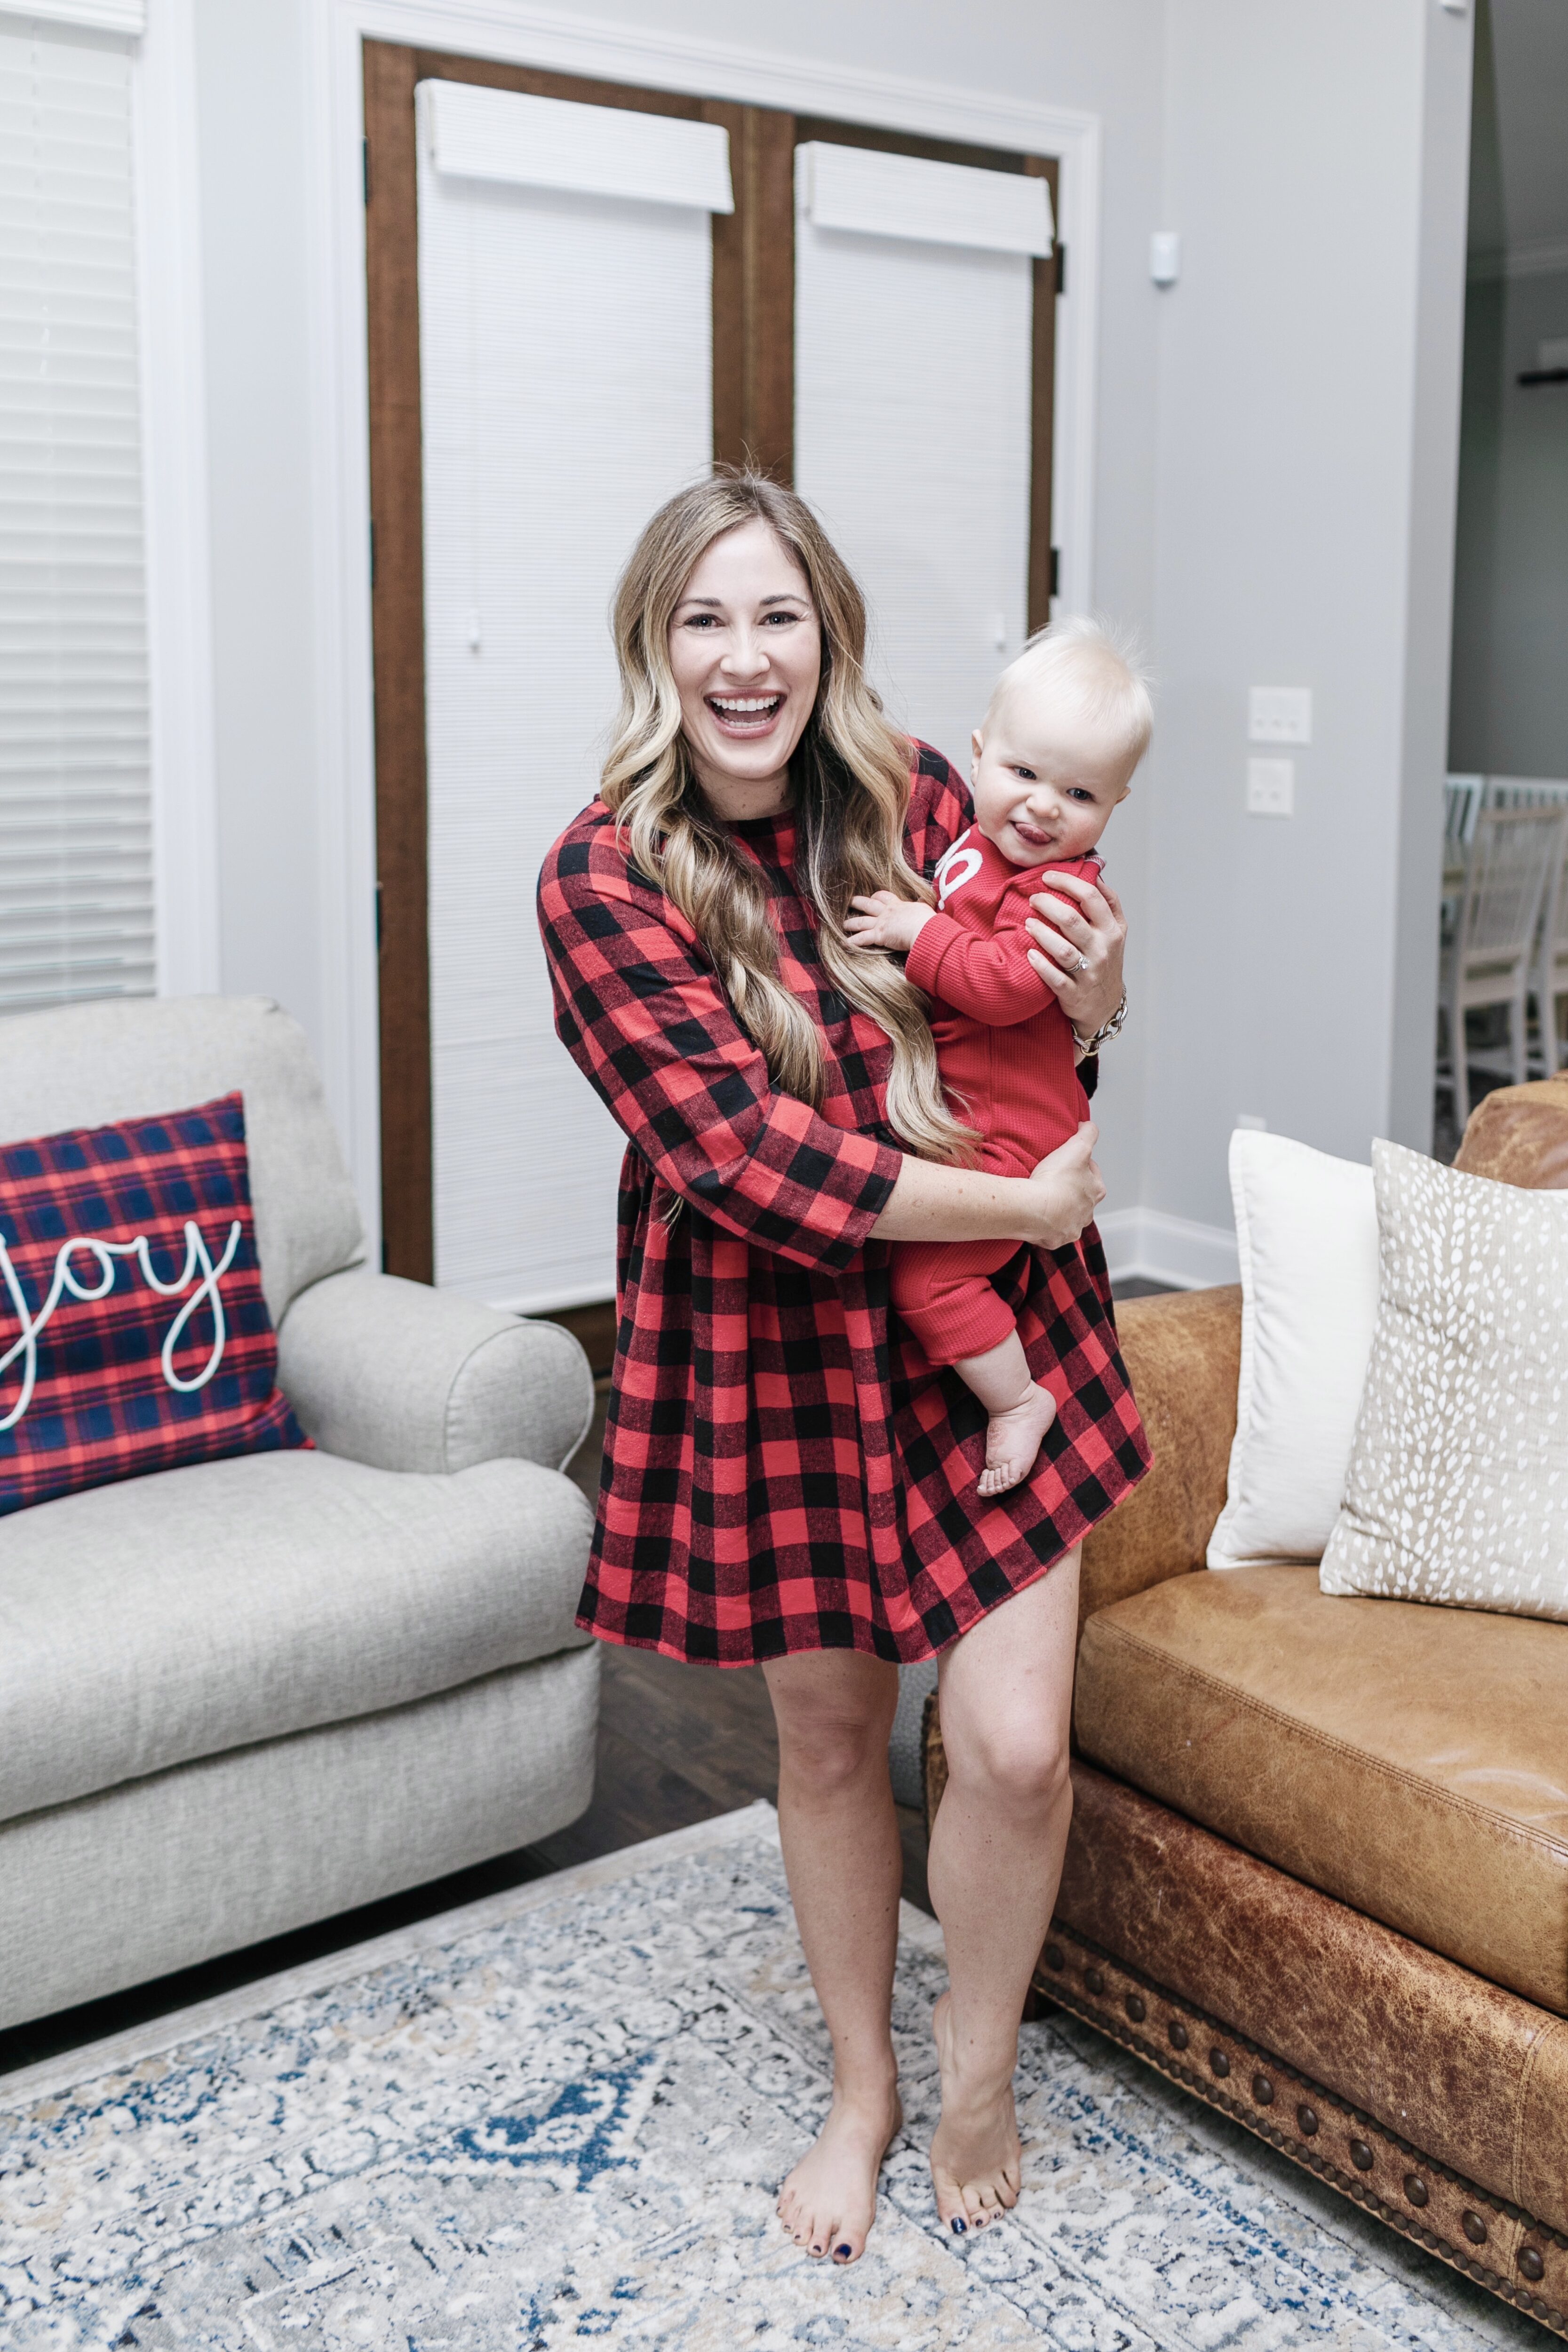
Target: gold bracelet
1104, 1033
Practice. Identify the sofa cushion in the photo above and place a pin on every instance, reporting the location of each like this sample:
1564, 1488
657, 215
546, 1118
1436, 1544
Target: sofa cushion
89, 1065
198, 1609
1412, 1761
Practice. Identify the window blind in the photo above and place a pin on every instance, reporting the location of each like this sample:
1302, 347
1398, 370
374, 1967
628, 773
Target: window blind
566, 391
76, 848
911, 197
599, 150
107, 15
913, 375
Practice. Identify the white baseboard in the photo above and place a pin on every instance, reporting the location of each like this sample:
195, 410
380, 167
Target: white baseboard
1147, 1242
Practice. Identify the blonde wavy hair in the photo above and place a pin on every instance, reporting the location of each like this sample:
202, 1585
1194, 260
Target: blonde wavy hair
851, 780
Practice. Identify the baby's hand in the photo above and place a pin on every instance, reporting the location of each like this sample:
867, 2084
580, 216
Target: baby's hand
884, 921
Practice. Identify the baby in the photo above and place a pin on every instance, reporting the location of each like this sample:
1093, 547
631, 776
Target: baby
1067, 724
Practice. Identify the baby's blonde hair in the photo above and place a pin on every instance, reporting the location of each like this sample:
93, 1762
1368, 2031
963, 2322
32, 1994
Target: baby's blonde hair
1095, 668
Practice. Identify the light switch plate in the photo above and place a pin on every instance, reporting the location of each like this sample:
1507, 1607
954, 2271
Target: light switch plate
1271, 788
1279, 714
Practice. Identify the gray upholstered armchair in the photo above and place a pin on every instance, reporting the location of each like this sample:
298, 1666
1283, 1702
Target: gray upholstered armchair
241, 1696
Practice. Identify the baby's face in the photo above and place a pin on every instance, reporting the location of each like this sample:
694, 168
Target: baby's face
1045, 779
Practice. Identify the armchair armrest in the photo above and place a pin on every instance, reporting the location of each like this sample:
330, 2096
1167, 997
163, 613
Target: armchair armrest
405, 1378
1519, 1135
1183, 1353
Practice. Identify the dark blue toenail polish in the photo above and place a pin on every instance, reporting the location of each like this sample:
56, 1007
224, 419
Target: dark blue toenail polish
841, 2252
959, 2228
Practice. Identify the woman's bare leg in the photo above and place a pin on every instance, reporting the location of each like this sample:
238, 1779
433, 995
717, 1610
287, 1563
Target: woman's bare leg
840, 1835
995, 1858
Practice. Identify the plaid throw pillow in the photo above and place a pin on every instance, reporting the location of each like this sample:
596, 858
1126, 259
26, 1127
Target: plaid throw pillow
134, 1334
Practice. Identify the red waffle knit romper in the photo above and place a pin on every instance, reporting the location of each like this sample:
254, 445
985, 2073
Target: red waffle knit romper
1004, 1049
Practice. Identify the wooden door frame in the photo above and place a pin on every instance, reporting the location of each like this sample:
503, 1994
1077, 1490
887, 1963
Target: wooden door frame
391, 73
754, 423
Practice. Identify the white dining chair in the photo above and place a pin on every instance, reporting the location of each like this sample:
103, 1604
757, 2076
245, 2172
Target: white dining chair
1525, 792
1549, 976
1462, 797
1515, 853
1549, 971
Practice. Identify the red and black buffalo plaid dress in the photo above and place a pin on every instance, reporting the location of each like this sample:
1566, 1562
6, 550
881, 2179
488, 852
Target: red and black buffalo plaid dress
780, 1472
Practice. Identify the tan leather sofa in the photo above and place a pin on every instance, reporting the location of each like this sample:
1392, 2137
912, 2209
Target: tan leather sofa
1319, 1865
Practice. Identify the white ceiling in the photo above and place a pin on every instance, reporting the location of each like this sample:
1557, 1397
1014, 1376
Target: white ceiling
1519, 186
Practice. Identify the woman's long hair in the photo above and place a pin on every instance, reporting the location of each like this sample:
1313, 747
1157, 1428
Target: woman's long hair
851, 775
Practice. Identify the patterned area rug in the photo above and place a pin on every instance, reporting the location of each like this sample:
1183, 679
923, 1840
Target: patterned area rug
562, 2116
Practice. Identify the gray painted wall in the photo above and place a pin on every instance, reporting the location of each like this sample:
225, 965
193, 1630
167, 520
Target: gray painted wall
251, 100
1259, 449
1510, 711
1315, 283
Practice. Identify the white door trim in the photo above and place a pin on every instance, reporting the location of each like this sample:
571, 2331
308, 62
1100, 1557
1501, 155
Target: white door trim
513, 31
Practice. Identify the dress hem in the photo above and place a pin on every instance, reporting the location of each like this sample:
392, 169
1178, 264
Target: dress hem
869, 1648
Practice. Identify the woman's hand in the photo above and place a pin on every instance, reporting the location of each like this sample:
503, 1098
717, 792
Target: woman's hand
1067, 1190
1048, 1209
886, 920
1078, 930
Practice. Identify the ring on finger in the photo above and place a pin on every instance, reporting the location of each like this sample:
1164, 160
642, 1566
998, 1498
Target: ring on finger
1081, 965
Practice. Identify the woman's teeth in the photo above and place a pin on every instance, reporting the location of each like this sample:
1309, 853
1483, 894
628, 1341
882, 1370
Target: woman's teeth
753, 712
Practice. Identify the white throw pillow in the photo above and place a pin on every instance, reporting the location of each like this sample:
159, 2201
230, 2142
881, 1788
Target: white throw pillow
1457, 1485
1306, 1233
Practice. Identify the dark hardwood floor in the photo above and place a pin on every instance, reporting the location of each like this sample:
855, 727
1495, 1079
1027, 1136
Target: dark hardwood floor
677, 1744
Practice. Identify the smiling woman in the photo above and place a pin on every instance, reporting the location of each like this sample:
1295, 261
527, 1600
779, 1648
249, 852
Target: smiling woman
787, 1481
766, 606
746, 656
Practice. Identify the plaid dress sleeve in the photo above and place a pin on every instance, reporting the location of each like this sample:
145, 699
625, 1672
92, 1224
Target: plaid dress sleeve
641, 1010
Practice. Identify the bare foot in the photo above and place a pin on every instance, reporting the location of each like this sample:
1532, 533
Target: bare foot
830, 2201
1013, 1440
976, 2160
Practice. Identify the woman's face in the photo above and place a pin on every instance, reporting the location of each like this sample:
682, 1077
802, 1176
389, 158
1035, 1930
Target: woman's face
746, 650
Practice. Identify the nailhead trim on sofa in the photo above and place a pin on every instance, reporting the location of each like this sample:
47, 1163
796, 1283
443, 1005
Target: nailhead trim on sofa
1525, 2264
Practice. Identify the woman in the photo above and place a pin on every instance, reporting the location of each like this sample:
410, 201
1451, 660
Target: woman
778, 1486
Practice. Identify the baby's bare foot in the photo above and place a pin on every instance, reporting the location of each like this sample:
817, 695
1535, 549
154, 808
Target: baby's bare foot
1013, 1440
976, 2160
830, 2201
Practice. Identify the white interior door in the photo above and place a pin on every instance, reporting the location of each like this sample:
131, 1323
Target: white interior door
565, 288
913, 357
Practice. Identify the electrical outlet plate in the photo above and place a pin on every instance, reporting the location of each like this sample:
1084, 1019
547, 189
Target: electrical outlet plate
1271, 788
1279, 714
